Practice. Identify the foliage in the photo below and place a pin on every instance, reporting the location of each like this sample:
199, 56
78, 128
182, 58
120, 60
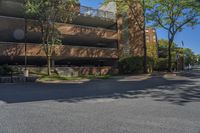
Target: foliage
58, 78
97, 76
130, 65
63, 78
189, 57
152, 50
122, 6
48, 13
163, 48
198, 2
134, 65
197, 59
186, 53
7, 70
161, 64
173, 16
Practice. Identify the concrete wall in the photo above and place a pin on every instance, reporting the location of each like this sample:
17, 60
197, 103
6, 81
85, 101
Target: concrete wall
76, 71
60, 51
12, 8
11, 28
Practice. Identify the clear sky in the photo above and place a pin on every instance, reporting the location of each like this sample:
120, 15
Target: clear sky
190, 36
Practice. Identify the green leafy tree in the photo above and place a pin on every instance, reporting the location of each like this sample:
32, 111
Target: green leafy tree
189, 57
163, 54
173, 16
197, 59
163, 46
48, 13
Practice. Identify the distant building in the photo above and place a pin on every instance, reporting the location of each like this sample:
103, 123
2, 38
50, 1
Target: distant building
152, 42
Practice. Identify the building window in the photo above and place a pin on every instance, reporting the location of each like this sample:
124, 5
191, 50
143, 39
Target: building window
147, 31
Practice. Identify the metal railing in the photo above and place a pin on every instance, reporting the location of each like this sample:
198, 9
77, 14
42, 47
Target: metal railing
88, 11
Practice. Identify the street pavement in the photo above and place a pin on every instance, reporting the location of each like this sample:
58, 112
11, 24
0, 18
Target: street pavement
126, 104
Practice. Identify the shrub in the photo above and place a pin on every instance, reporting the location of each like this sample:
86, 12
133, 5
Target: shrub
151, 63
134, 65
5, 70
131, 65
161, 64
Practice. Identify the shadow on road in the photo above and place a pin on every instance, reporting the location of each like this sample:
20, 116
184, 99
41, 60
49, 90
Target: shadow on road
178, 91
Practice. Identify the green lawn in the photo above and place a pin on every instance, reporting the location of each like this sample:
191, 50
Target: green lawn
62, 78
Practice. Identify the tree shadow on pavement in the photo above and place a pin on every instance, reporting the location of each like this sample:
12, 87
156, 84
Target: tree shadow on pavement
190, 74
177, 91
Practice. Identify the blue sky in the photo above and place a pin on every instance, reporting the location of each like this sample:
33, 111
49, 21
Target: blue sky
190, 36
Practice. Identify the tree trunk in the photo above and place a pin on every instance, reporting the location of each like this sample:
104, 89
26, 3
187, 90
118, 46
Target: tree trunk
49, 65
145, 53
144, 37
169, 56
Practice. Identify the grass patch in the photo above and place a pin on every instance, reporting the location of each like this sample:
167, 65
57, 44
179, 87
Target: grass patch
56, 78
62, 78
38, 74
98, 76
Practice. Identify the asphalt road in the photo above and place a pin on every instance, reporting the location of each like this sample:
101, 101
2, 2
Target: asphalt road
134, 104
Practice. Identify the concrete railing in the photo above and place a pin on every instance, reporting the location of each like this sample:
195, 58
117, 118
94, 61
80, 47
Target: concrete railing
88, 11
64, 51
15, 8
93, 32
10, 25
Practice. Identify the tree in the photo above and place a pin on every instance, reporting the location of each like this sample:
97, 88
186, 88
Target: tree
189, 57
48, 13
197, 59
138, 12
163, 54
173, 16
163, 46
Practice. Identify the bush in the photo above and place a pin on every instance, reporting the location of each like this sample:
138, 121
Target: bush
161, 64
134, 65
131, 65
5, 70
151, 63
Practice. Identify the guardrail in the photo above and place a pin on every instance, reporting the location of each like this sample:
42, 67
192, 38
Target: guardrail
88, 11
